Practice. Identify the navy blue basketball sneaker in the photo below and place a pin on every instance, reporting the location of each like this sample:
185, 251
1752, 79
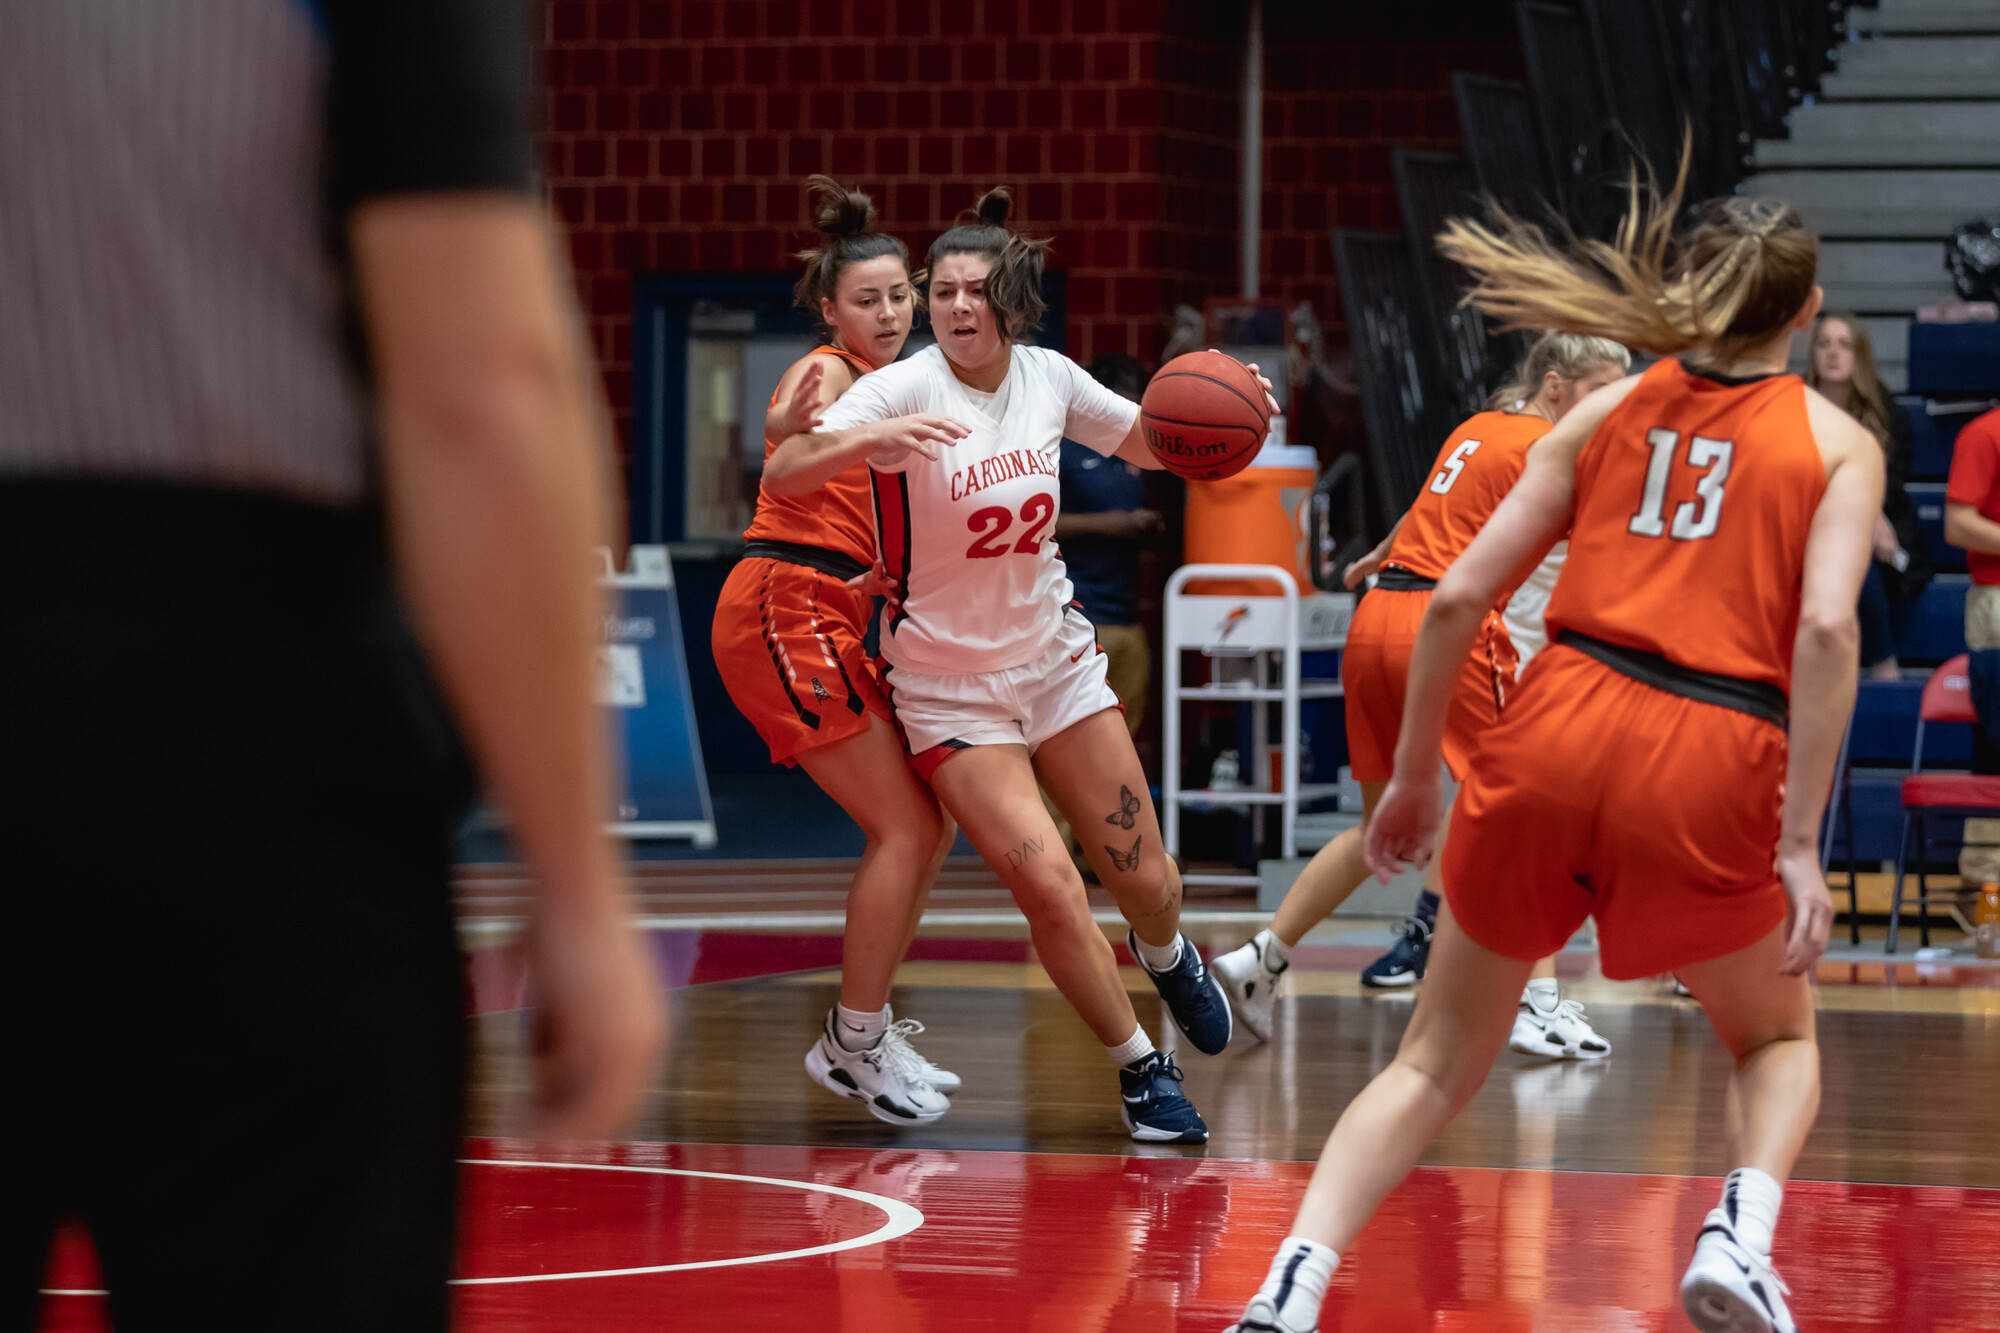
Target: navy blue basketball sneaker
1196, 1000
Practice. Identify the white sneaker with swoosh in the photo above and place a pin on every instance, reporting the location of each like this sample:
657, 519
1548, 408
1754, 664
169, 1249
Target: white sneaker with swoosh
1730, 1288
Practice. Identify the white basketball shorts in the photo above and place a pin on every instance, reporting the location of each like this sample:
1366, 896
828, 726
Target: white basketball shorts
1024, 705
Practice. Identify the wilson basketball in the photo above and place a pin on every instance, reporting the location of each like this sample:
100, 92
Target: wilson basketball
1205, 416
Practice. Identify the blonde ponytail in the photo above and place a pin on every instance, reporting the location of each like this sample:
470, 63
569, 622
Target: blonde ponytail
1734, 281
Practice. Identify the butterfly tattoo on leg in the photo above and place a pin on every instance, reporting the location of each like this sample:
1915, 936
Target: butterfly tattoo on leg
1127, 813
1125, 860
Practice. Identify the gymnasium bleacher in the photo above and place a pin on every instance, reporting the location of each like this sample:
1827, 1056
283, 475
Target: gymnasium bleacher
1878, 122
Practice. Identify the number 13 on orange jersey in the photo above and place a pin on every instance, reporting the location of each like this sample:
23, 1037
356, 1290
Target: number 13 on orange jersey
1692, 520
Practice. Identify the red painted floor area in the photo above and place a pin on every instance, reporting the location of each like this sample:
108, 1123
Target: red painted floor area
1054, 1242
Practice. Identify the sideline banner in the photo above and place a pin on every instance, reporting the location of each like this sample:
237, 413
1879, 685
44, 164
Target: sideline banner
643, 681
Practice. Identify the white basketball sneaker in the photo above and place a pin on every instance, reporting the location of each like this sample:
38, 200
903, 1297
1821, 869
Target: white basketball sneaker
1561, 1033
887, 1075
1729, 1288
1261, 1316
1247, 976
899, 1034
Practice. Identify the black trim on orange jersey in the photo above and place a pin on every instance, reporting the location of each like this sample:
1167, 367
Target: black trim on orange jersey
1728, 381
770, 637
1397, 579
1759, 699
837, 563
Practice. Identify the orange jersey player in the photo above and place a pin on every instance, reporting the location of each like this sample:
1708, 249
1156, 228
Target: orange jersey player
1475, 469
788, 644
1664, 764
1478, 465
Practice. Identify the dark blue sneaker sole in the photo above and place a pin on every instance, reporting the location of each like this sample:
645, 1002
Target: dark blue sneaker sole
1153, 1134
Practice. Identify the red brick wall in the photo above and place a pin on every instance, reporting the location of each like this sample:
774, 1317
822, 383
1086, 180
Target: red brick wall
1341, 89
678, 134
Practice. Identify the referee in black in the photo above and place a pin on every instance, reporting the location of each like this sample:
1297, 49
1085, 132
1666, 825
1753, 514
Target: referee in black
301, 465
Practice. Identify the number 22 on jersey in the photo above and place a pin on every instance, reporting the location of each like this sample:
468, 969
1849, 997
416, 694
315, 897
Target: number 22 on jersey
1692, 520
993, 522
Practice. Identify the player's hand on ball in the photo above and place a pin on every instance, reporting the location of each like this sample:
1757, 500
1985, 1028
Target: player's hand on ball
920, 433
1811, 909
1251, 366
1401, 830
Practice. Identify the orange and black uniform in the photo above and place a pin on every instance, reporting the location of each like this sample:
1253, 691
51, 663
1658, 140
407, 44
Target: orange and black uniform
1638, 775
788, 631
1474, 471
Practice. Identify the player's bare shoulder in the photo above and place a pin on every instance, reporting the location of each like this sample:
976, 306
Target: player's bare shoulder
1842, 440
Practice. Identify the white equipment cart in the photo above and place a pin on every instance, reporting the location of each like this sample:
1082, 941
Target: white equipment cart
1255, 643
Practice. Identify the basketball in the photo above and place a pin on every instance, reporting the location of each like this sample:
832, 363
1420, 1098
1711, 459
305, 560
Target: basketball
1205, 416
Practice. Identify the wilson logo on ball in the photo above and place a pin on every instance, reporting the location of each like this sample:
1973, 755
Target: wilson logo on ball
1204, 416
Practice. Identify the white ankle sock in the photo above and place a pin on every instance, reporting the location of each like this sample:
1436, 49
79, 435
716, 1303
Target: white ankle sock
1277, 954
857, 1029
1543, 994
1297, 1281
1750, 1199
1159, 957
1132, 1050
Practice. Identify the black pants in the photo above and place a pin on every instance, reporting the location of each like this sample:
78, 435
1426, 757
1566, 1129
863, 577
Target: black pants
234, 990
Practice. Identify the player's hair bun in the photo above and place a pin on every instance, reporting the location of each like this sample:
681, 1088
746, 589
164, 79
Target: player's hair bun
1014, 280
838, 211
993, 207
846, 219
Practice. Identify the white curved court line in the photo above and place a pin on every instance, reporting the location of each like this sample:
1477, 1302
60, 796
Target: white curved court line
902, 1220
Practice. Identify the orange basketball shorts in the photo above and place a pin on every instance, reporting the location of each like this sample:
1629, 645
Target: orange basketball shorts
787, 642
1375, 672
1599, 796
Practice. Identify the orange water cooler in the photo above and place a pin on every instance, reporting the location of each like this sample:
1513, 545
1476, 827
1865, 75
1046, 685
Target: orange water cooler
1260, 516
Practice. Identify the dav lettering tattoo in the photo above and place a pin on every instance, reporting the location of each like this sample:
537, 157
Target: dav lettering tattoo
1019, 855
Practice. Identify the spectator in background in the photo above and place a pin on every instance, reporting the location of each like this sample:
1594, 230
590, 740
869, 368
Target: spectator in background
1843, 369
1972, 521
1103, 525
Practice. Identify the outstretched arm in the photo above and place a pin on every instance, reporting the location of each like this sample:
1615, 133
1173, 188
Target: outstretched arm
1534, 514
807, 462
496, 458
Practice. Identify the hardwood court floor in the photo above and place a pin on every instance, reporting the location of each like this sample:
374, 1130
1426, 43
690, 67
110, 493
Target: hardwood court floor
1909, 1097
1565, 1198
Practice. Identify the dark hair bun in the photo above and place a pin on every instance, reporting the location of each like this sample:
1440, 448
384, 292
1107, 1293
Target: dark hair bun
993, 207
839, 211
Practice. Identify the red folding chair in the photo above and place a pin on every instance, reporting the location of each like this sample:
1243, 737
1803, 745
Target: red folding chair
1926, 796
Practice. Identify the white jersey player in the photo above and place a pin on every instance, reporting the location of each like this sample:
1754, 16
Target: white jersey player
993, 671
